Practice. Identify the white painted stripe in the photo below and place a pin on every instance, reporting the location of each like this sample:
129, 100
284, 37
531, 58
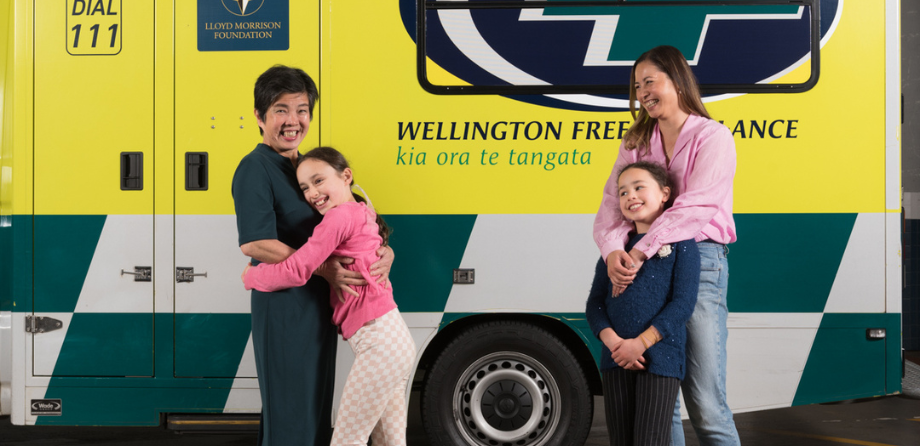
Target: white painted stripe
605, 27
47, 346
422, 320
247, 368
860, 282
21, 367
126, 241
894, 270
774, 320
527, 263
893, 273
209, 244
6, 362
765, 366
892, 104
244, 397
164, 278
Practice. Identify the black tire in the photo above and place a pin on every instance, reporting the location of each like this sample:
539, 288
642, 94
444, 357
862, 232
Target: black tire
506, 383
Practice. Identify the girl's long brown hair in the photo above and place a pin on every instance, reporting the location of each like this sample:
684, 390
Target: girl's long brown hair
338, 162
673, 64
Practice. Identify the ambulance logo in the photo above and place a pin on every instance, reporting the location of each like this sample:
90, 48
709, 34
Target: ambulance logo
242, 8
725, 44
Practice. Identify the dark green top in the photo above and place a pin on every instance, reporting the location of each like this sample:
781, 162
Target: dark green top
292, 331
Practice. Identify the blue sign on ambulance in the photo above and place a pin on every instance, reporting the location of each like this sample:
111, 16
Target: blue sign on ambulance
243, 25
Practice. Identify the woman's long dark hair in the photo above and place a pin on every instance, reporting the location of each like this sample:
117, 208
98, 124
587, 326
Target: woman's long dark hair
338, 162
673, 64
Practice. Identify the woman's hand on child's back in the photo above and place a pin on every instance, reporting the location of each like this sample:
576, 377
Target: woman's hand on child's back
381, 268
340, 279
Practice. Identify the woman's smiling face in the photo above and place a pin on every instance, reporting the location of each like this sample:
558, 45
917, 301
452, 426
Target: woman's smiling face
656, 92
286, 123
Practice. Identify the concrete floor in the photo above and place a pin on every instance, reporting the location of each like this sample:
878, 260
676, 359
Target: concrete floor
883, 421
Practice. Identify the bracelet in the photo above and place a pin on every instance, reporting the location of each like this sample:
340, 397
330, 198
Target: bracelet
643, 341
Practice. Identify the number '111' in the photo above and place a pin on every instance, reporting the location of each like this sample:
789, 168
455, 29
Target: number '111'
95, 28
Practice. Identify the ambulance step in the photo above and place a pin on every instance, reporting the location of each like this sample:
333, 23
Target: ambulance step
212, 423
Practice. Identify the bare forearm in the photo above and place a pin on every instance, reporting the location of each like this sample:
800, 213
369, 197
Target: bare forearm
267, 251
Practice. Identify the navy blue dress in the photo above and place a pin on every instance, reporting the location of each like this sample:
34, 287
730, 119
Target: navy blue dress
663, 294
292, 331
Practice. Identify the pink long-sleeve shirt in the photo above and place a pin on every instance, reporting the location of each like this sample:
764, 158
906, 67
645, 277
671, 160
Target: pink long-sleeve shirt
702, 168
348, 230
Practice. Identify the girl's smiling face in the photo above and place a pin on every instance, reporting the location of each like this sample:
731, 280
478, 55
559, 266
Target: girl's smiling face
323, 186
642, 199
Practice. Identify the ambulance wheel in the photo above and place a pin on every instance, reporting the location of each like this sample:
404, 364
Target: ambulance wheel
506, 383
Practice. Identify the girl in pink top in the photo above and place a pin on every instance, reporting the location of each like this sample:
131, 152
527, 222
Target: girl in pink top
673, 128
373, 401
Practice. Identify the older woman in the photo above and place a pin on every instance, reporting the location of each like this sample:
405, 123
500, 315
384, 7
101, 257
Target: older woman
292, 331
673, 128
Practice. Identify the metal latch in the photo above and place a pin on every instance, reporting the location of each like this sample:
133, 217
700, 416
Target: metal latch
187, 274
42, 324
140, 273
465, 275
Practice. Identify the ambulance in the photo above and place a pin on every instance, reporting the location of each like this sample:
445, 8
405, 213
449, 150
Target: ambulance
483, 131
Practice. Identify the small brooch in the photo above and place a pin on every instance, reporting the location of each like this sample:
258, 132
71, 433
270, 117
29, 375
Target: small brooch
664, 251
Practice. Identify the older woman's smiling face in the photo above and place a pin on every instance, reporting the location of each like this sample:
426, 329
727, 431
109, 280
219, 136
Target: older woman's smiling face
656, 92
286, 123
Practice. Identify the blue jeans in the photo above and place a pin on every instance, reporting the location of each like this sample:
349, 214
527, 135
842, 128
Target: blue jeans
707, 333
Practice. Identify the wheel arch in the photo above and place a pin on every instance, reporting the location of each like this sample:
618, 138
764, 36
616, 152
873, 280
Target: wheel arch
553, 325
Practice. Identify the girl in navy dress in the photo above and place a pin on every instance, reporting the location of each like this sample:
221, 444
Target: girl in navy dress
643, 330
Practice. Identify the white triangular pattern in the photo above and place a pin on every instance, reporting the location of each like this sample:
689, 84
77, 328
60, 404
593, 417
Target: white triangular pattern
860, 282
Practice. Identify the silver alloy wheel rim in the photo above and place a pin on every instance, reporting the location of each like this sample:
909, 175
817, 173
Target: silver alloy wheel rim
520, 377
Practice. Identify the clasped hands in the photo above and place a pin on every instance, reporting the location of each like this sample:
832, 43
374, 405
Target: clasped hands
627, 353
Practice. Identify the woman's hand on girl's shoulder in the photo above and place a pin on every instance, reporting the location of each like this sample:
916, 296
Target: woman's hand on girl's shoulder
621, 269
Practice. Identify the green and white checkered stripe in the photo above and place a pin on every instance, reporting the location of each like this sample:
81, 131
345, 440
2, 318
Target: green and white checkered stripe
796, 321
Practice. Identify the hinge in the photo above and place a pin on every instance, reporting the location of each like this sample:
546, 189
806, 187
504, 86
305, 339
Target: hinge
186, 274
465, 275
42, 324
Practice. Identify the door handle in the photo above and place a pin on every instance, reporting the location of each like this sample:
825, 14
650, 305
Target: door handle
132, 171
140, 273
196, 170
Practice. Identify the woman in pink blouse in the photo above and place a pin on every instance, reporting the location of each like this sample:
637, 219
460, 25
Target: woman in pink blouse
673, 128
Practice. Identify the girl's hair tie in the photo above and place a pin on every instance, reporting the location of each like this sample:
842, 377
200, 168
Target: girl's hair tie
369, 204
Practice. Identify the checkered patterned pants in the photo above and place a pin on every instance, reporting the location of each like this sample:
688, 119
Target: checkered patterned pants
374, 399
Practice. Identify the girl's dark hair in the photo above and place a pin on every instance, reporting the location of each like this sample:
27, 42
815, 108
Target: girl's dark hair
658, 173
338, 162
673, 64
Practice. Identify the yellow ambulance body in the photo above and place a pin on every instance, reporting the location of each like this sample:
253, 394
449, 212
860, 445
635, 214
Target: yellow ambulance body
123, 122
